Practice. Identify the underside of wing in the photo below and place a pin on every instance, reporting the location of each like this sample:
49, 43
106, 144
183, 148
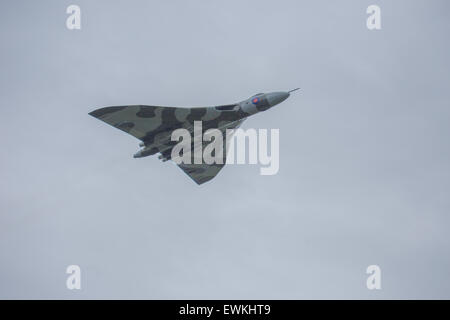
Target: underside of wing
203, 172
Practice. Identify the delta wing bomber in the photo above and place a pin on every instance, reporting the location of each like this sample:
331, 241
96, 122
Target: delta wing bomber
154, 125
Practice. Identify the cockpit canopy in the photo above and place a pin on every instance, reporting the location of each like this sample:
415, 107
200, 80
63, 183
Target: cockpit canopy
258, 94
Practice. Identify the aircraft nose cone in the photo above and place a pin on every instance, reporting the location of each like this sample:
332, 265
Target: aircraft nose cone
277, 97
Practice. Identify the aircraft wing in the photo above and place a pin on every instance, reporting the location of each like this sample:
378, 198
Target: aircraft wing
202, 173
144, 121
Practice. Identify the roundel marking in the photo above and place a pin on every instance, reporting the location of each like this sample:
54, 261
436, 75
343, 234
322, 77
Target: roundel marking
255, 100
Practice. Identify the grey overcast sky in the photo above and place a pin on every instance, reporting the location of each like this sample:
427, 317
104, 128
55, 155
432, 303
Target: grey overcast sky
364, 150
